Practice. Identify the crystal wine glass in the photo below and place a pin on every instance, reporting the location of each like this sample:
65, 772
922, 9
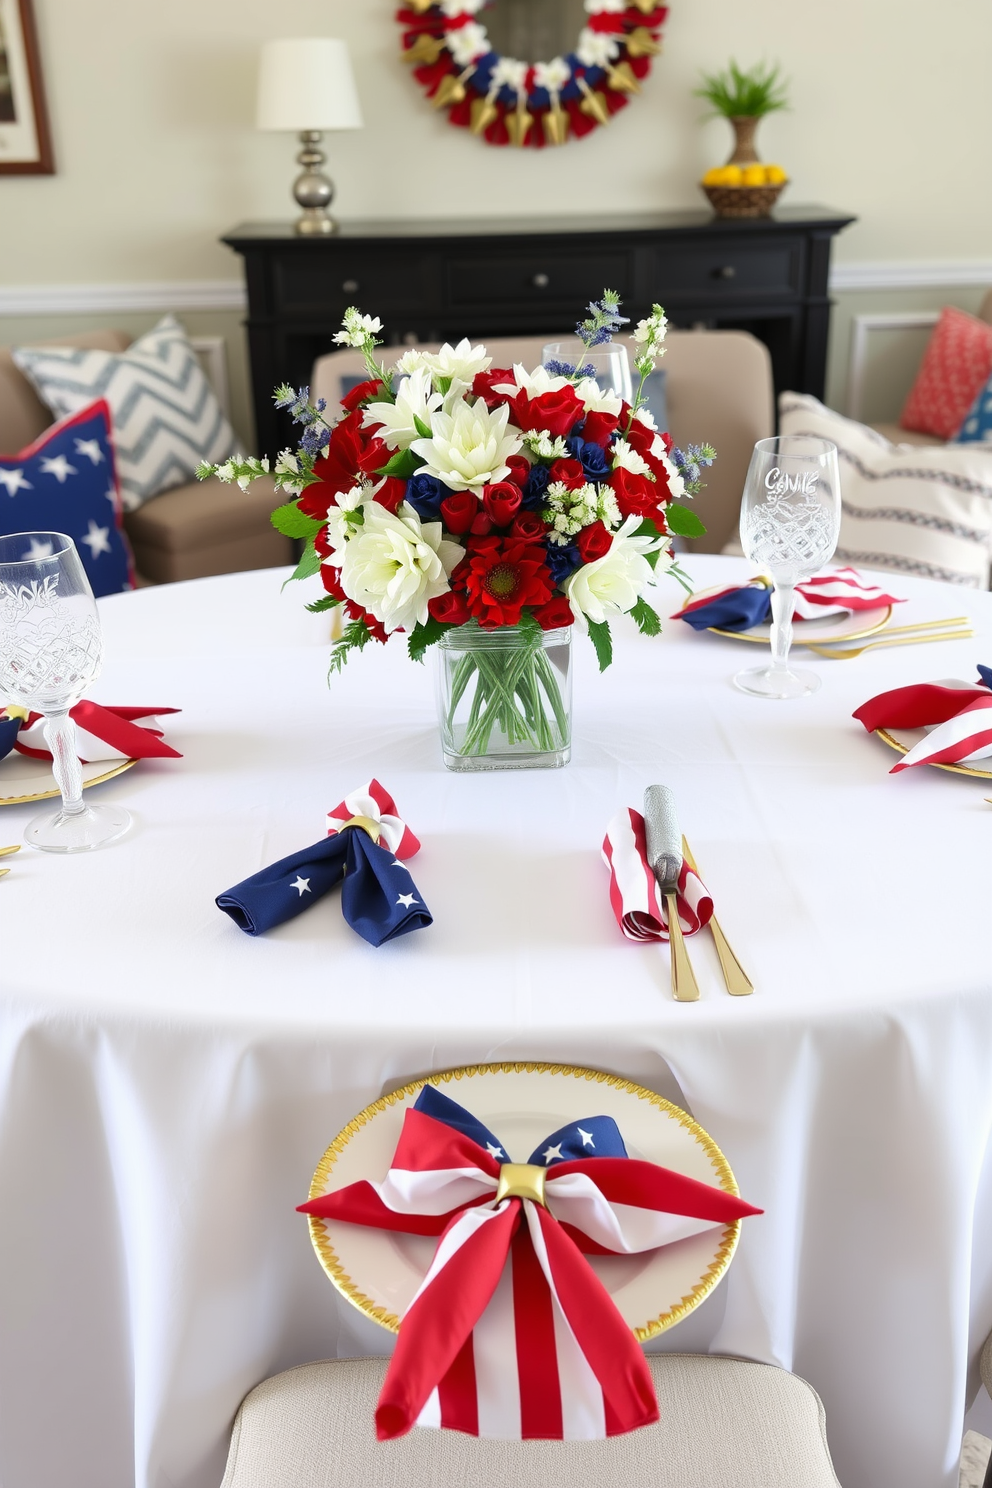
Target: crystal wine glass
50, 651
610, 364
790, 522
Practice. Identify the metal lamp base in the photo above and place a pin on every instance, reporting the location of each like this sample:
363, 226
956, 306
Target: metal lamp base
312, 189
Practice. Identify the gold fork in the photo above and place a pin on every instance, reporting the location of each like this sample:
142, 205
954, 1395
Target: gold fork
5, 852
835, 653
738, 982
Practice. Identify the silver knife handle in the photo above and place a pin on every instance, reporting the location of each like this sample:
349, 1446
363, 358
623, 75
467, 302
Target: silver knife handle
663, 835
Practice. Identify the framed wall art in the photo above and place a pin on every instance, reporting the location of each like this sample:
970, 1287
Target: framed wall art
25, 142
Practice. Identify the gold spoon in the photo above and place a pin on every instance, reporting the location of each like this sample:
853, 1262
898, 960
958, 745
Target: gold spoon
739, 984
5, 852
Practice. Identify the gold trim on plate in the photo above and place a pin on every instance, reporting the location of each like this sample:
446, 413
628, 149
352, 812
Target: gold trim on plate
797, 640
653, 1326
893, 743
50, 794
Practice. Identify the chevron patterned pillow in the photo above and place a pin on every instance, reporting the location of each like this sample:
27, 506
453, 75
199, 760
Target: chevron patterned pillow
166, 418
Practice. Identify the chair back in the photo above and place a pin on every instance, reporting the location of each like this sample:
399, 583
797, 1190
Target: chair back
725, 1423
23, 416
718, 388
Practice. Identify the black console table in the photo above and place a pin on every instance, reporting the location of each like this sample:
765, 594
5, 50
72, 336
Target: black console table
433, 281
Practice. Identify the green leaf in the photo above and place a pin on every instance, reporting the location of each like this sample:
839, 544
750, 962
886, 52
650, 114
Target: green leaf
422, 637
682, 521
291, 522
355, 638
599, 634
402, 465
647, 619
308, 565
424, 430
319, 605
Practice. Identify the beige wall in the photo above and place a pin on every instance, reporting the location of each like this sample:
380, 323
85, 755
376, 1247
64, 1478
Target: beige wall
151, 107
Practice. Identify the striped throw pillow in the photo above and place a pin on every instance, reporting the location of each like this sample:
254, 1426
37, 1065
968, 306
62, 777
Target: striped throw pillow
166, 418
913, 509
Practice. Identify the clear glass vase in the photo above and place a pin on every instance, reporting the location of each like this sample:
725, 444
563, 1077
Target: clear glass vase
504, 697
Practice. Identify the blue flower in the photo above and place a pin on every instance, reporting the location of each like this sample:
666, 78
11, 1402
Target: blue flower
592, 457
563, 561
425, 494
537, 483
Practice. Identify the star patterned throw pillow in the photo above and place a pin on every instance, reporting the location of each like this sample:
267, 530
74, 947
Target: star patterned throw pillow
67, 482
166, 418
977, 426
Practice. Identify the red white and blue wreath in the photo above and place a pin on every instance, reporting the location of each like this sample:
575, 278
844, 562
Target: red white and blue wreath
507, 102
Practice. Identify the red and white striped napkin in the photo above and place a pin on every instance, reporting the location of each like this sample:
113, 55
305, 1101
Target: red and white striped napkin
637, 901
956, 715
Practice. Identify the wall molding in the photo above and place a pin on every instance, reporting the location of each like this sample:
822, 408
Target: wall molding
894, 320
101, 299
229, 294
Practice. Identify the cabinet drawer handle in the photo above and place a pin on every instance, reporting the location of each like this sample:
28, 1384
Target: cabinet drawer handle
350, 286
540, 281
727, 271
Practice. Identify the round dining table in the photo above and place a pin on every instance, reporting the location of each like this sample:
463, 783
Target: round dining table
169, 1083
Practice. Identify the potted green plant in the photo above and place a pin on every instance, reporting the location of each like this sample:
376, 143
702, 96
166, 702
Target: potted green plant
744, 187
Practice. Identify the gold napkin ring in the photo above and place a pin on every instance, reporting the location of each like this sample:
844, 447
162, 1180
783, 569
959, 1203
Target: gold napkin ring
522, 1181
367, 825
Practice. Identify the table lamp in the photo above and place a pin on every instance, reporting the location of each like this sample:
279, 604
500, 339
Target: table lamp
306, 85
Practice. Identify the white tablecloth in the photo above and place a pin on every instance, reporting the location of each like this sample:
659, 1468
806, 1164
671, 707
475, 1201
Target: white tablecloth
167, 1083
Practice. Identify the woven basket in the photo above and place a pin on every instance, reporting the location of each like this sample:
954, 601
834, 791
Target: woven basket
743, 201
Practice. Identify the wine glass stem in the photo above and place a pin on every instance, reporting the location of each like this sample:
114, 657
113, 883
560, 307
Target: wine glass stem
60, 735
783, 601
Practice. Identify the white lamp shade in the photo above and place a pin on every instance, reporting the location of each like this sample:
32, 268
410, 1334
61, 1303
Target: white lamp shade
307, 83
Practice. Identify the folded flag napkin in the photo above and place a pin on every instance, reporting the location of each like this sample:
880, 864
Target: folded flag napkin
957, 717
101, 733
637, 901
512, 1334
742, 606
364, 844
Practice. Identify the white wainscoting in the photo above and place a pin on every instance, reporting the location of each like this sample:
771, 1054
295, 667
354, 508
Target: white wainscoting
212, 351
861, 329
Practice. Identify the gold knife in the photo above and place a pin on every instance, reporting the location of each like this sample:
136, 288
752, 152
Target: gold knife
738, 982
5, 852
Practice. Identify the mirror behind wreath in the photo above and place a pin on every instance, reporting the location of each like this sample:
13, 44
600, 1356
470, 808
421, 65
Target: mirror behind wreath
533, 30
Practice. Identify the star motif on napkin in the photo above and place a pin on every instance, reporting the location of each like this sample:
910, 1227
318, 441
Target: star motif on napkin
587, 1140
551, 1152
493, 1150
301, 885
58, 466
91, 449
14, 481
96, 539
407, 901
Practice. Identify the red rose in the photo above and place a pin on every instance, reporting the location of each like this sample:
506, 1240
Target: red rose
570, 473
599, 428
555, 614
450, 608
593, 542
459, 511
322, 544
528, 526
349, 454
363, 393
482, 524
502, 502
640, 437
503, 578
482, 387
391, 492
556, 412
330, 577
636, 495
519, 470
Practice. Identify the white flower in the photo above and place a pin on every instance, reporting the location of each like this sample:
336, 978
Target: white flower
543, 447
649, 336
613, 584
469, 446
646, 417
606, 7
467, 42
342, 521
413, 360
552, 75
532, 383
597, 399
287, 467
358, 329
625, 457
676, 484
415, 401
463, 361
509, 73
395, 564
596, 48
454, 8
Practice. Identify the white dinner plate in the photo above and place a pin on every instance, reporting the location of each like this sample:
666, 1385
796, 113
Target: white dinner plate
379, 1271
849, 627
23, 779
904, 740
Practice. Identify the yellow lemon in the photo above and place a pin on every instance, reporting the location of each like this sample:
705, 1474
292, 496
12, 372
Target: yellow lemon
775, 175
733, 175
714, 177
753, 175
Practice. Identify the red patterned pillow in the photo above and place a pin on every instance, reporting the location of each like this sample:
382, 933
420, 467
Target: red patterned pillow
956, 363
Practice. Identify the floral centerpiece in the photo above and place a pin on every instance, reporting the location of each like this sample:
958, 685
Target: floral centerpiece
486, 510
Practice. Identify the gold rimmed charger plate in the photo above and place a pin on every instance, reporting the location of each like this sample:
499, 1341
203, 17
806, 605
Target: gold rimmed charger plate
379, 1271
824, 632
23, 780
901, 748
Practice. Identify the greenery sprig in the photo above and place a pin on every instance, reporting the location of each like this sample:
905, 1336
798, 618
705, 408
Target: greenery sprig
737, 94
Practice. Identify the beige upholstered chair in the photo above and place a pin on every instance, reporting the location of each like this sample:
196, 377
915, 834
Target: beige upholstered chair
718, 387
986, 1362
725, 1423
187, 532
